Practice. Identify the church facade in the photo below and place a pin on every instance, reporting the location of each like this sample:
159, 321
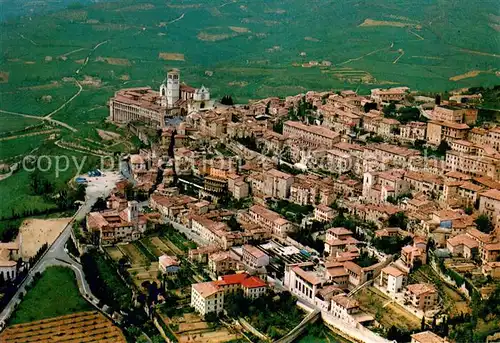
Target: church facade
143, 104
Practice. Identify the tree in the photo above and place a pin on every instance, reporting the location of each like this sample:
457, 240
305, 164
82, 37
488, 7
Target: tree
99, 205
437, 99
484, 224
233, 224
389, 109
370, 106
227, 100
443, 148
398, 220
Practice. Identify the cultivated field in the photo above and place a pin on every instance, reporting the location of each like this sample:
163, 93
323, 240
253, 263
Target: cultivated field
191, 328
73, 328
36, 232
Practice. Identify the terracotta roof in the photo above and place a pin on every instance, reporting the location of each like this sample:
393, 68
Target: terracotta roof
278, 174
308, 276
254, 251
339, 231
393, 271
463, 240
452, 125
345, 302
232, 279
427, 337
315, 129
205, 289
421, 288
492, 194
353, 267
168, 261
253, 282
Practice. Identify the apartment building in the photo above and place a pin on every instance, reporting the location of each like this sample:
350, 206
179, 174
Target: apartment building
277, 184
323, 213
211, 231
412, 131
316, 135
392, 279
489, 204
270, 220
387, 127
253, 257
207, 297
463, 245
389, 95
438, 131
423, 296
424, 182
473, 164
222, 262
452, 114
391, 154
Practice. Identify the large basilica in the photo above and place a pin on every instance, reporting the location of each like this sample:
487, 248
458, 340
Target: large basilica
146, 105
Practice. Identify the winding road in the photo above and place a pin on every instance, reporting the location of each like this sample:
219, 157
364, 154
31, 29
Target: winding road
56, 254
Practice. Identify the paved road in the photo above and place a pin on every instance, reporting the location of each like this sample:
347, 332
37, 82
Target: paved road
57, 256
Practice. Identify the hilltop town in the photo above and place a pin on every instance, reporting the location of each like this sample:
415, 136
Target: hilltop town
377, 215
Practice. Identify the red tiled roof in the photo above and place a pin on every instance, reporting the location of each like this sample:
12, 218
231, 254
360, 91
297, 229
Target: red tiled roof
253, 282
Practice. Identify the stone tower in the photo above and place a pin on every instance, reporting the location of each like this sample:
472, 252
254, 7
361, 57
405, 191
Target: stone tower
132, 211
173, 87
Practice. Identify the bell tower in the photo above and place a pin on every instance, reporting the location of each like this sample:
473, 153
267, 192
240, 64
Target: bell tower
173, 87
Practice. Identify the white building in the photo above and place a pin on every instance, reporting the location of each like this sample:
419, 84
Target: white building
303, 284
206, 297
344, 308
392, 279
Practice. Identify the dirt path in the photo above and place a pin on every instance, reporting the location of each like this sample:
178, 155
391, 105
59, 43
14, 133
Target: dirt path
29, 40
82, 151
416, 34
29, 134
80, 88
365, 55
50, 120
73, 51
177, 19
397, 58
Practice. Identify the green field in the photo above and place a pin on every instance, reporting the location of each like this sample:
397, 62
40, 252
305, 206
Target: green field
54, 294
12, 123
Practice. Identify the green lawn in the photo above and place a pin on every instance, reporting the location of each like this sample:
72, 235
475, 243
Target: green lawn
54, 294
